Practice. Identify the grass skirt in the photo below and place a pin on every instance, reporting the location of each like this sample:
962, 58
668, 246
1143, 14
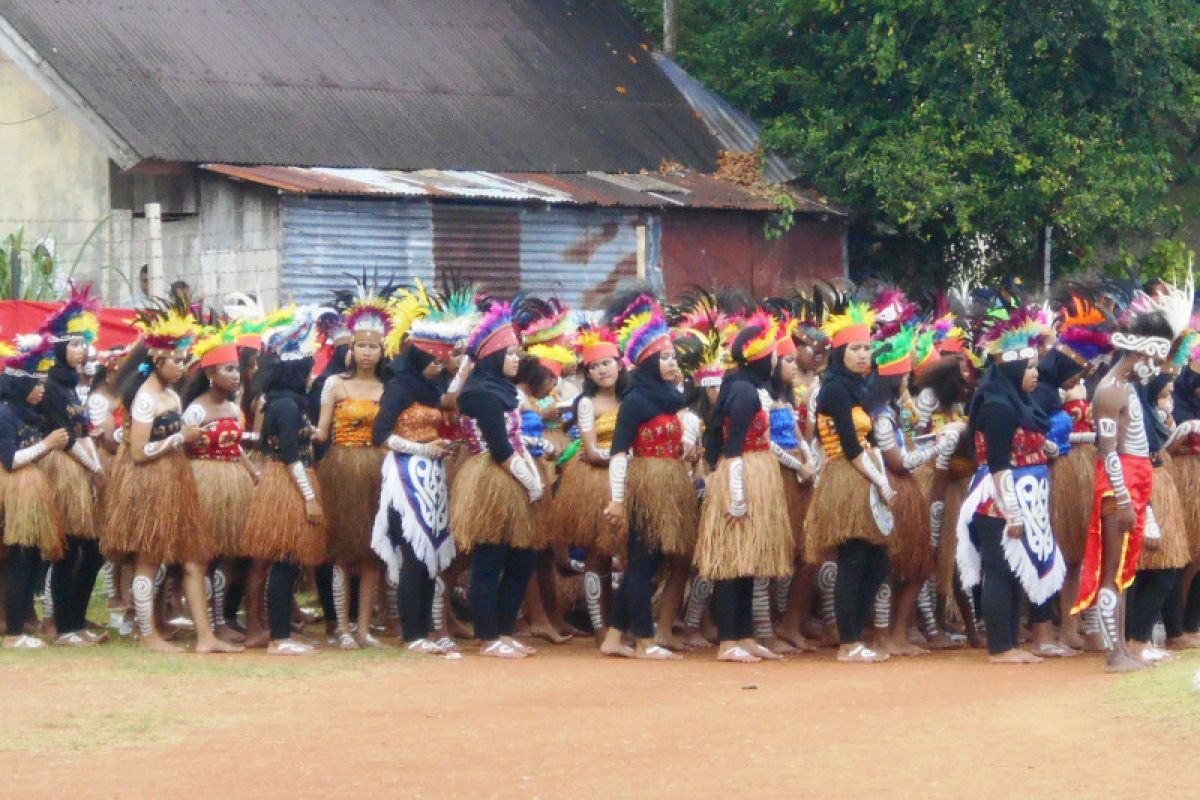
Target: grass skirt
577, 509
840, 511
910, 550
488, 506
1071, 480
351, 479
661, 503
956, 493
74, 494
1185, 469
760, 544
118, 465
31, 518
277, 528
154, 510
225, 489
796, 499
1172, 551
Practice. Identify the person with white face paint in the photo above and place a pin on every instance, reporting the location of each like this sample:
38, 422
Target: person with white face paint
1124, 479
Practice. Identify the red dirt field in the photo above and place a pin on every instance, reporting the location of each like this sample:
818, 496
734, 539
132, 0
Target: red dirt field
570, 723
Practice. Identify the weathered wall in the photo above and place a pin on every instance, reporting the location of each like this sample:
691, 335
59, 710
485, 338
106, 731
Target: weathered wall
730, 249
55, 180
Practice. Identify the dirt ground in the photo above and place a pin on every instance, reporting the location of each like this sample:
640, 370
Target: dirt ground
569, 723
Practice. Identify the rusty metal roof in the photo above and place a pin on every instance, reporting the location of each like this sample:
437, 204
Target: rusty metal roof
631, 190
540, 85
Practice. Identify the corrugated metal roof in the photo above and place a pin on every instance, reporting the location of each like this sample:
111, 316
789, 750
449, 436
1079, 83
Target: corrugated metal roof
543, 85
610, 191
732, 127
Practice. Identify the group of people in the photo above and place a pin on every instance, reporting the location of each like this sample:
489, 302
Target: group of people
838, 467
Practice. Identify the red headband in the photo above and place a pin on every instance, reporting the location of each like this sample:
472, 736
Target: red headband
600, 351
222, 354
659, 345
852, 333
785, 346
502, 338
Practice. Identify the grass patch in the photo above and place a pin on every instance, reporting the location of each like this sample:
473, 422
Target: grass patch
1166, 694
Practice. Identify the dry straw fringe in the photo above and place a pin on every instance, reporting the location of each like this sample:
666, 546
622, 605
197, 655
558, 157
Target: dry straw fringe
760, 544
351, 479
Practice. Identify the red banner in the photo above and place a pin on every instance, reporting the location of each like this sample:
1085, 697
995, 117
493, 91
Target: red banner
26, 316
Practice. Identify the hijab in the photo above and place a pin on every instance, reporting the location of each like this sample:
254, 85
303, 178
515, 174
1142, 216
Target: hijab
646, 381
756, 374
1187, 404
408, 371
1001, 385
837, 373
487, 378
1054, 370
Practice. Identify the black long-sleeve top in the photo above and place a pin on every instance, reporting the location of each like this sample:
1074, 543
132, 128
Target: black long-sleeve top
17, 431
636, 409
998, 423
60, 408
835, 401
283, 424
741, 406
488, 412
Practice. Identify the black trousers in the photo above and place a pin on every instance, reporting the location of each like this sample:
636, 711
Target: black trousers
415, 592
1147, 599
1043, 612
499, 575
72, 582
21, 579
862, 569
1002, 594
732, 608
281, 590
631, 612
1182, 615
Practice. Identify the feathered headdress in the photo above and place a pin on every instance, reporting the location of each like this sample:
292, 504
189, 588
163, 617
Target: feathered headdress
494, 332
893, 310
369, 317
852, 326
78, 317
166, 328
789, 326
447, 322
761, 344
293, 337
250, 330
642, 329
1174, 303
701, 319
219, 346
32, 357
554, 357
595, 343
541, 321
894, 355
1015, 335
925, 351
1085, 331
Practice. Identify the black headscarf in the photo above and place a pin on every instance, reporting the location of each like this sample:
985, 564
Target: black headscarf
1187, 404
1001, 385
836, 372
646, 381
14, 389
408, 371
285, 379
756, 373
487, 378
1156, 431
60, 395
1054, 370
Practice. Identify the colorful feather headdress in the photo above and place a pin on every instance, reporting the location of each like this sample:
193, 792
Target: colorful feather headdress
852, 326
167, 328
541, 321
447, 323
925, 351
893, 310
595, 343
294, 336
1085, 332
702, 319
761, 344
78, 317
894, 355
554, 357
250, 330
32, 357
369, 317
219, 346
494, 332
1015, 335
642, 329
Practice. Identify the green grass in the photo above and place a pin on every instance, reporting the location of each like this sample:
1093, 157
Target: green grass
1165, 695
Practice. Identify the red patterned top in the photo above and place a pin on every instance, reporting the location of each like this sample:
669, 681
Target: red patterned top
219, 441
1026, 448
659, 437
1081, 415
758, 436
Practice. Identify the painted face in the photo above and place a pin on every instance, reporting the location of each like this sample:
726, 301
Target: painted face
366, 354
787, 368
1145, 369
858, 357
76, 353
1029, 379
1166, 400
604, 372
225, 377
512, 361
668, 367
170, 369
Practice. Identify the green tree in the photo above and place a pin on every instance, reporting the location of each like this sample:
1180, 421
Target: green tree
956, 130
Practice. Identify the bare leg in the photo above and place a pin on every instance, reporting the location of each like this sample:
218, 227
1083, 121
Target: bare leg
143, 604
670, 602
257, 634
535, 612
368, 585
1110, 600
904, 617
597, 591
798, 608
193, 585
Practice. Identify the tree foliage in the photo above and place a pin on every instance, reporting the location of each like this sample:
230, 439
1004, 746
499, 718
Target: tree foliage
956, 130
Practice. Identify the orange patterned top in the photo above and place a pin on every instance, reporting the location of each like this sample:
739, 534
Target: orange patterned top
352, 422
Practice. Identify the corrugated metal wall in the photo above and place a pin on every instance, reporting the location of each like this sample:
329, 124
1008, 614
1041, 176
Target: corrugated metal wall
578, 253
326, 239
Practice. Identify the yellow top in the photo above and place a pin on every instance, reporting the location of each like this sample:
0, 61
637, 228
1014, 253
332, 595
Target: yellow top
352, 422
606, 425
828, 433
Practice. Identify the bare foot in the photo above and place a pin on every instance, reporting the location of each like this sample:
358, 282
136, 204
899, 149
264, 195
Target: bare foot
693, 639
1122, 662
829, 636
548, 633
524, 648
755, 649
977, 640
619, 650
228, 634
367, 641
1015, 656
257, 641
944, 641
216, 645
570, 631
1054, 650
797, 640
671, 641
1071, 639
160, 645
737, 654
780, 646
898, 647
1189, 641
